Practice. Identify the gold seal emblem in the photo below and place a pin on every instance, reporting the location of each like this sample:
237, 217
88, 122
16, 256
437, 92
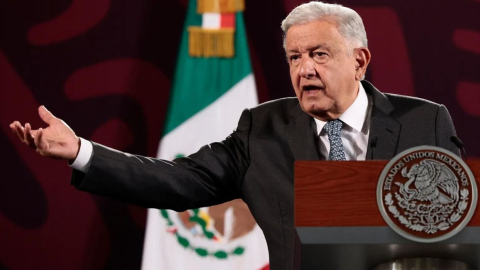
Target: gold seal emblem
427, 194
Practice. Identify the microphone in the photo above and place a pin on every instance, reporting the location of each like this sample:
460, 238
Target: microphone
373, 144
458, 143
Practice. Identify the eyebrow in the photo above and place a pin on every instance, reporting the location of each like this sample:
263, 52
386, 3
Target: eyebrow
315, 47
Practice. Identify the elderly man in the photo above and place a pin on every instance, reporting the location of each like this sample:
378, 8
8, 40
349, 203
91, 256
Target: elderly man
335, 116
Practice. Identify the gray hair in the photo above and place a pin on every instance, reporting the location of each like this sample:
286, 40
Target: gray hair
350, 24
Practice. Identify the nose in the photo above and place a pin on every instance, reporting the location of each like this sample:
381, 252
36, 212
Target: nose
307, 68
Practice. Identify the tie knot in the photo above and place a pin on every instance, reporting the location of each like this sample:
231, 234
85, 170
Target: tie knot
333, 128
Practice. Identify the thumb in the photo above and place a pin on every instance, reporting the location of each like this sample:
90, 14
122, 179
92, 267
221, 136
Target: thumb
46, 115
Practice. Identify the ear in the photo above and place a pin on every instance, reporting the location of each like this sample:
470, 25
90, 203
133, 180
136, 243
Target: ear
362, 58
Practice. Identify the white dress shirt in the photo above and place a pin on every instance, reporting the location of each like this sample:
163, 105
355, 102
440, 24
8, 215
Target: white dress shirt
355, 129
84, 157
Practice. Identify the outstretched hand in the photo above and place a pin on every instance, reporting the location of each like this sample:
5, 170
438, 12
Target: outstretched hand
56, 141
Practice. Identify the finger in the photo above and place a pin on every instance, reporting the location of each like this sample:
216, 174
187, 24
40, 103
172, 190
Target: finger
34, 133
41, 145
46, 115
12, 127
28, 135
19, 130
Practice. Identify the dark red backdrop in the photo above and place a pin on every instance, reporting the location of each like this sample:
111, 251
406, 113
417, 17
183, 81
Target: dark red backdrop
105, 67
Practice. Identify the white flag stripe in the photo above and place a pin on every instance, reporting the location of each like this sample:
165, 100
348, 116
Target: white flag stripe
213, 123
211, 20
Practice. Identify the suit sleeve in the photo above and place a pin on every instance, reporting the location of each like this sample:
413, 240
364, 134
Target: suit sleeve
210, 176
444, 130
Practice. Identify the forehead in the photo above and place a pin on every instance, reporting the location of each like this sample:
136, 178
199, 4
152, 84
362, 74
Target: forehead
303, 36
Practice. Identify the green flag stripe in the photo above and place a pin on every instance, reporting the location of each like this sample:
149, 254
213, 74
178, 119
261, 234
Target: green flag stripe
200, 81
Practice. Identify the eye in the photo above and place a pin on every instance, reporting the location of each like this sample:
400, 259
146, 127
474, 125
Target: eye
294, 58
319, 54
320, 57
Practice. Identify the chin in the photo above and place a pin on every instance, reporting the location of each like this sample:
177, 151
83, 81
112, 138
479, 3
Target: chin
314, 107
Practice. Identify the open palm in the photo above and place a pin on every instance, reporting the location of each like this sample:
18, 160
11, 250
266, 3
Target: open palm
57, 140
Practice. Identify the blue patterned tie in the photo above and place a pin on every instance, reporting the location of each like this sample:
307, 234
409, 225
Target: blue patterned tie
333, 129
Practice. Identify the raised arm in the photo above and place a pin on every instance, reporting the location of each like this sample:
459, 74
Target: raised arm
211, 176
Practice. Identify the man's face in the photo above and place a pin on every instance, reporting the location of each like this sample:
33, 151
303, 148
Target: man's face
323, 68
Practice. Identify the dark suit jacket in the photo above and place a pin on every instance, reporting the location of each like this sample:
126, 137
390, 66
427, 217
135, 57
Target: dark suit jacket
255, 163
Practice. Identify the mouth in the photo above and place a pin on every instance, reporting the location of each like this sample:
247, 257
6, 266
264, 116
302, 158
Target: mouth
311, 89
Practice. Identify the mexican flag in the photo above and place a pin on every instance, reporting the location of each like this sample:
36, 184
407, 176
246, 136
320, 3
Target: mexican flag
213, 84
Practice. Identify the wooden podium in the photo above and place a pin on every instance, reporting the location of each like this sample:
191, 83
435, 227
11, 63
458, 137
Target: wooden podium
339, 225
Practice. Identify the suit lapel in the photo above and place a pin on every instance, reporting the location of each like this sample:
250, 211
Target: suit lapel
382, 126
387, 131
301, 134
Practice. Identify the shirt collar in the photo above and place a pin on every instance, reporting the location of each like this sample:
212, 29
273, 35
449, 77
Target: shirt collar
355, 115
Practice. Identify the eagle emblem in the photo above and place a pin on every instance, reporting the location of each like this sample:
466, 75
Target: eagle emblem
434, 182
427, 194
